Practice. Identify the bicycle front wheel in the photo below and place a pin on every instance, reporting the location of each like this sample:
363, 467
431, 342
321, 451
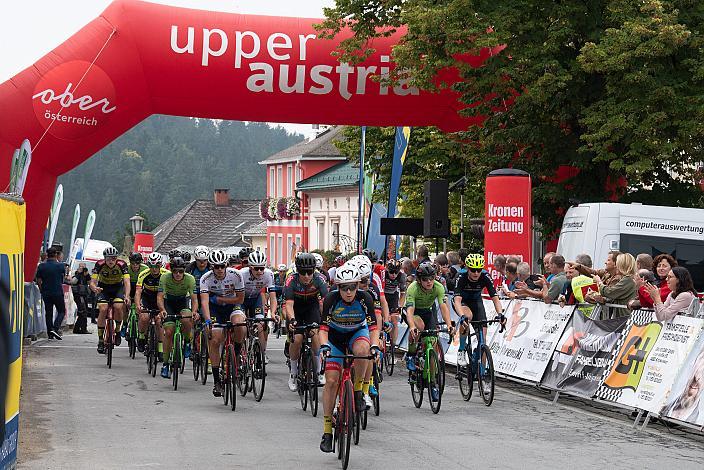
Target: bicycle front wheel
195, 351
390, 358
258, 371
204, 356
109, 341
435, 381
234, 376
465, 379
312, 385
301, 379
225, 375
485, 375
415, 378
349, 423
176, 354
151, 349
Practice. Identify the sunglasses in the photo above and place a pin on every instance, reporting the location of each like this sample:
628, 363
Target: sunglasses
475, 270
219, 266
178, 271
261, 270
426, 279
347, 287
306, 272
111, 258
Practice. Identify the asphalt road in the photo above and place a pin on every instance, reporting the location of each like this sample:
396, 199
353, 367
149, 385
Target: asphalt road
77, 414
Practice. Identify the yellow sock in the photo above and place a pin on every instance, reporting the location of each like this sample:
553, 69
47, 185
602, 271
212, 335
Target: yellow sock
327, 424
358, 385
365, 387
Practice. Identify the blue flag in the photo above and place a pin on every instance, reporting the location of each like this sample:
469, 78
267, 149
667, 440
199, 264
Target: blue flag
403, 135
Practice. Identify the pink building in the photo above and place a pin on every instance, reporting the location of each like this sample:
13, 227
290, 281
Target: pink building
288, 230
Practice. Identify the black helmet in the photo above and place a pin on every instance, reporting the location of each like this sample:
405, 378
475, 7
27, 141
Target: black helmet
305, 261
174, 253
393, 266
233, 260
186, 256
177, 262
244, 253
136, 258
110, 251
425, 269
371, 254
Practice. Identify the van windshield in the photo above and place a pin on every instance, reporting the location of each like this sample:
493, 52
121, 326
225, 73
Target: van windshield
570, 244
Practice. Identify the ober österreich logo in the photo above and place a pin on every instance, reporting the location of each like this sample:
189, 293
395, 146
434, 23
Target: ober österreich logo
76, 108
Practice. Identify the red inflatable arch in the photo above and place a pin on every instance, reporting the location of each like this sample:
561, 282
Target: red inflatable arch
139, 59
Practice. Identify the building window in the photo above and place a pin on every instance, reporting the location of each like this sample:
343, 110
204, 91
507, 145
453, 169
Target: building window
289, 179
280, 250
279, 181
321, 234
298, 243
299, 174
272, 249
272, 181
335, 233
289, 243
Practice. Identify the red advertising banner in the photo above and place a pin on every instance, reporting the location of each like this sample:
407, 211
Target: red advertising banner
507, 217
144, 242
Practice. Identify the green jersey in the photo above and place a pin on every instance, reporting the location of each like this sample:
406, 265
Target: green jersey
134, 275
422, 299
172, 289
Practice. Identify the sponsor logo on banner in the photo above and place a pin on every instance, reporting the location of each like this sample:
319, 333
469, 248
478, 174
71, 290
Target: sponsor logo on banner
684, 401
630, 359
74, 99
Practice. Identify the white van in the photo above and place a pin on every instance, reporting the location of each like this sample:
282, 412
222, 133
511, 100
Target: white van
92, 254
597, 228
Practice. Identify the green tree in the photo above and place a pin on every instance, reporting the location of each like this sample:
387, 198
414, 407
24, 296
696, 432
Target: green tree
611, 88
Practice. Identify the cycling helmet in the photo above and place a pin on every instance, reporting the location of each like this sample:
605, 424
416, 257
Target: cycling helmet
425, 269
318, 260
217, 257
177, 263
244, 253
174, 253
136, 258
305, 261
154, 259
257, 258
201, 253
283, 267
393, 266
186, 257
339, 260
361, 259
474, 261
365, 270
347, 273
371, 254
234, 260
110, 251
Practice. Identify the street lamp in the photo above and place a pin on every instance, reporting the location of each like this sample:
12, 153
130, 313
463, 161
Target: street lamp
137, 224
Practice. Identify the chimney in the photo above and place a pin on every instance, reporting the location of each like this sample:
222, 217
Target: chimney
221, 197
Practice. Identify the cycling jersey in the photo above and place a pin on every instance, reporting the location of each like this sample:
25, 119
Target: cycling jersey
394, 286
422, 299
173, 289
107, 276
346, 317
229, 286
323, 273
253, 286
150, 287
305, 294
134, 276
471, 293
197, 273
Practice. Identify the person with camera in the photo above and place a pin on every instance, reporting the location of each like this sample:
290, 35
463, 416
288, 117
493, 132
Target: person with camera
79, 287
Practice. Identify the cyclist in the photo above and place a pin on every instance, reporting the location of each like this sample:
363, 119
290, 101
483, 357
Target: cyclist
111, 282
199, 266
257, 280
134, 269
221, 294
394, 292
339, 261
177, 293
420, 314
380, 314
145, 300
347, 318
303, 296
468, 299
173, 254
319, 262
186, 257
234, 262
244, 257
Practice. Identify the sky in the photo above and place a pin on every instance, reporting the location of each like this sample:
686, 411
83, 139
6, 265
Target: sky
25, 36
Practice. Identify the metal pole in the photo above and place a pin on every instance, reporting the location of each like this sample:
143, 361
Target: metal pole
360, 222
462, 219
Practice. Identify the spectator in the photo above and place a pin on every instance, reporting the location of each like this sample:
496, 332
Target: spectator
525, 283
663, 264
422, 255
622, 291
513, 259
79, 287
442, 267
500, 268
408, 270
681, 295
454, 259
644, 261
552, 289
463, 252
50, 277
643, 278
546, 264
579, 285
511, 277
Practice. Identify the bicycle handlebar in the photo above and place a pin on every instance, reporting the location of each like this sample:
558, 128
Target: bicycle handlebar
228, 325
502, 327
308, 327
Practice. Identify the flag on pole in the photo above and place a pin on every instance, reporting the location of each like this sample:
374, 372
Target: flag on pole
55, 210
74, 226
403, 135
25, 158
90, 222
360, 198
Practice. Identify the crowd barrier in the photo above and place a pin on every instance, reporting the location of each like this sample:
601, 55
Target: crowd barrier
34, 322
634, 362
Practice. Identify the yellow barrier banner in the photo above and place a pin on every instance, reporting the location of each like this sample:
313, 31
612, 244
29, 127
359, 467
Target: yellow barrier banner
12, 221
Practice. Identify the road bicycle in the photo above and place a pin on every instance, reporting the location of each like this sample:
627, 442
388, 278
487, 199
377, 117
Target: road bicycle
132, 331
388, 352
428, 372
177, 358
346, 416
228, 363
255, 360
109, 334
480, 365
307, 378
151, 351
199, 352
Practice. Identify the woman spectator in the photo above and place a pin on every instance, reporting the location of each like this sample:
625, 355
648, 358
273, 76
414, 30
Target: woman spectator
624, 289
663, 264
680, 298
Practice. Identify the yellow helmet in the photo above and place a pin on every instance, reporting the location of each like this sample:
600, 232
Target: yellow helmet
474, 261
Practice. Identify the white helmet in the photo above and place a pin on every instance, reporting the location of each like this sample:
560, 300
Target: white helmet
257, 258
201, 253
283, 267
217, 257
365, 269
154, 259
361, 259
347, 273
318, 260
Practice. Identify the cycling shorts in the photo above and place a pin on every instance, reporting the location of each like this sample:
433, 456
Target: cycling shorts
307, 313
477, 308
342, 342
175, 307
392, 300
149, 304
252, 307
112, 293
428, 316
222, 313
